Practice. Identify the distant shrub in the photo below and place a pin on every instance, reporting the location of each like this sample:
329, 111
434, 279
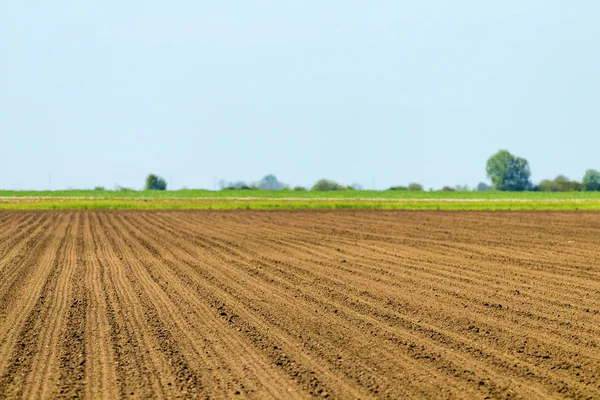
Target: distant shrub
484, 187
398, 188
99, 188
242, 187
560, 184
300, 189
415, 187
325, 185
239, 185
448, 189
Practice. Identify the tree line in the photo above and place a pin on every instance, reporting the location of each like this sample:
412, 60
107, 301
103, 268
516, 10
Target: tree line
270, 182
505, 171
510, 173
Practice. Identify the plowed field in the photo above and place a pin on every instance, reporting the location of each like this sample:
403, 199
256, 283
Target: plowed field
352, 304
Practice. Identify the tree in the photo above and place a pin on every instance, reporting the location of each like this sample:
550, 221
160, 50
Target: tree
154, 182
270, 182
325, 185
508, 172
483, 187
591, 180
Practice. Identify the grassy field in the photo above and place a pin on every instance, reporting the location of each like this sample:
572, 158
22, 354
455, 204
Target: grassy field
290, 194
268, 200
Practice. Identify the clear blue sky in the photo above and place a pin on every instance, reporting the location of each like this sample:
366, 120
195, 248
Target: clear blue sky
104, 92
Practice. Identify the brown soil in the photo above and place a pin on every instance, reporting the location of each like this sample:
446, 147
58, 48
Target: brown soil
299, 304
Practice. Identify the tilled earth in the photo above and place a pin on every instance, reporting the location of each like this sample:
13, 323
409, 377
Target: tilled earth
352, 304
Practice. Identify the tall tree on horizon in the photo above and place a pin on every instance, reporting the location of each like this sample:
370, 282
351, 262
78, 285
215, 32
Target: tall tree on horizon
508, 172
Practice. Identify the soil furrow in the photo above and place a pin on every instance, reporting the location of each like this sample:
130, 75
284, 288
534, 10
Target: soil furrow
299, 304
16, 379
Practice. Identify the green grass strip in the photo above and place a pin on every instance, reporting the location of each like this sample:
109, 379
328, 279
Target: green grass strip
279, 204
298, 195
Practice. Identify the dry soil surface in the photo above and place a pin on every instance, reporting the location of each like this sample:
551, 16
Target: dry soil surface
299, 304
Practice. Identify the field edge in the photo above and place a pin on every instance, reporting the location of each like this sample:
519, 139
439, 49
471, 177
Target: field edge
28, 203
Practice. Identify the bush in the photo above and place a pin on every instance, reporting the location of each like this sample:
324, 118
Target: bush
560, 184
484, 187
448, 189
239, 187
325, 185
398, 188
300, 189
99, 188
416, 187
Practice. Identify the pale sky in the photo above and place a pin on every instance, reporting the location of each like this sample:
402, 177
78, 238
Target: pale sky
105, 92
